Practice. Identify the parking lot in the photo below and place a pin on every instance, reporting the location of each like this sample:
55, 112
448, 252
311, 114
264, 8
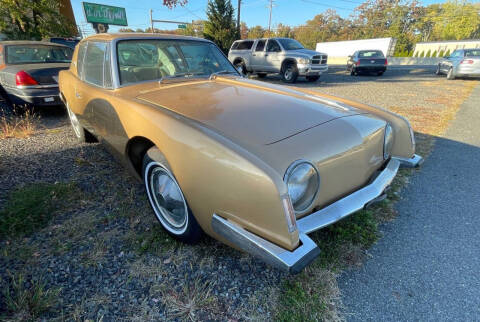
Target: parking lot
109, 259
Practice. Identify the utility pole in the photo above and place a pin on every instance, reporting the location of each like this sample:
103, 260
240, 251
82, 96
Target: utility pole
270, 18
151, 19
238, 17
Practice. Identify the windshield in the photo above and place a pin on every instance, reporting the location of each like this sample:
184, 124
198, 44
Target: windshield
144, 60
370, 54
33, 54
290, 44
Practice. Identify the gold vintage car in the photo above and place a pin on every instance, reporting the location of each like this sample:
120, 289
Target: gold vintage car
254, 165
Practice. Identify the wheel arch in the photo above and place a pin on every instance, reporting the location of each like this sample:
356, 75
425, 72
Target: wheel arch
287, 61
136, 149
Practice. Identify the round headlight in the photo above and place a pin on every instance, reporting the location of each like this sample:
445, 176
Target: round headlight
388, 142
303, 182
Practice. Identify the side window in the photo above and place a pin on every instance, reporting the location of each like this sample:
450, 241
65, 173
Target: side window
94, 58
260, 45
273, 46
245, 45
235, 45
80, 59
107, 68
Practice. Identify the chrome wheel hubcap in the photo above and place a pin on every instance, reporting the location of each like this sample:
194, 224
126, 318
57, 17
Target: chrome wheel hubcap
166, 198
288, 73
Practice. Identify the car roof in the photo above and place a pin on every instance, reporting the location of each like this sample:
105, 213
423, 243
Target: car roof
139, 35
29, 42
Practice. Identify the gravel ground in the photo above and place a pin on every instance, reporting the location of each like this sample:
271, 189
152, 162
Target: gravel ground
106, 251
427, 267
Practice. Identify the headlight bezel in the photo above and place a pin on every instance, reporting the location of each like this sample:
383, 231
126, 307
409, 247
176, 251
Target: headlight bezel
387, 141
303, 60
311, 191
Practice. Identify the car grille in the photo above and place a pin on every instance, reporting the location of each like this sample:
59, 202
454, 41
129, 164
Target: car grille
319, 59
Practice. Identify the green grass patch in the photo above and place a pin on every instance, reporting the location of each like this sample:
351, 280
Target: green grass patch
31, 207
27, 300
154, 240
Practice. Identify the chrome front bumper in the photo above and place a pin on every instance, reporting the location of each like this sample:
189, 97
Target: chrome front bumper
413, 162
311, 69
294, 261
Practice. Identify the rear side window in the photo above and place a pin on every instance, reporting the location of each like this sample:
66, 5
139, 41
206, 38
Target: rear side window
80, 59
94, 59
245, 45
260, 45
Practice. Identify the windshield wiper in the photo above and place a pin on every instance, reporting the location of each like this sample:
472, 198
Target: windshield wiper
212, 75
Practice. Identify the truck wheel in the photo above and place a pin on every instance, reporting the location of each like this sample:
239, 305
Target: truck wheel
437, 71
353, 72
312, 78
289, 72
261, 75
240, 66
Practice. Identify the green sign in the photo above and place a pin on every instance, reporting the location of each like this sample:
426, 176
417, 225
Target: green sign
99, 13
182, 26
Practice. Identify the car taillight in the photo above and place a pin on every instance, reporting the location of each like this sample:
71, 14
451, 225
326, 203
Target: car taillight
357, 63
22, 78
466, 61
386, 62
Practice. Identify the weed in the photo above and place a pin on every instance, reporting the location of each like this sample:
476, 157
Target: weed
27, 300
31, 207
18, 125
153, 240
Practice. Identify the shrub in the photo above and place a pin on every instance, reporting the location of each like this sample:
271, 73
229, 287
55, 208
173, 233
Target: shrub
422, 54
429, 52
447, 53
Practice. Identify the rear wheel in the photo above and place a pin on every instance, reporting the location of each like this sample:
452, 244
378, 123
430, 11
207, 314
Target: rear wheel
437, 71
312, 78
353, 72
450, 74
380, 73
167, 199
289, 72
81, 134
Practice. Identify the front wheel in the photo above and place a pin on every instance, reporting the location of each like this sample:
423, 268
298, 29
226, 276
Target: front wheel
437, 71
240, 66
289, 73
312, 78
167, 199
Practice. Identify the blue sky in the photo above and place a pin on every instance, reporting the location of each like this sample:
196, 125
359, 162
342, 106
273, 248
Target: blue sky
253, 12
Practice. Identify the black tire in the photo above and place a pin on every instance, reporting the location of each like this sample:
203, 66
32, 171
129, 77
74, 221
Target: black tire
380, 73
153, 162
289, 72
450, 74
437, 71
353, 72
262, 75
82, 135
241, 65
312, 78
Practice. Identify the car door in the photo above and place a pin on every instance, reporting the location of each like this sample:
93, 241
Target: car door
258, 56
272, 56
78, 103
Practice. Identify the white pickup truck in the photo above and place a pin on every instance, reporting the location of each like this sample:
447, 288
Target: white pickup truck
277, 55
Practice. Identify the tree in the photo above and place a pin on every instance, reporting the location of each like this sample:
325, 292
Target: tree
194, 29
172, 3
283, 31
256, 32
126, 30
34, 19
243, 30
221, 25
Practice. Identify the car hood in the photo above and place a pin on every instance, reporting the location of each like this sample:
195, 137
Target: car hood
304, 51
245, 111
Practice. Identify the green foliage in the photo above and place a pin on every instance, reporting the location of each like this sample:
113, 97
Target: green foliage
447, 53
256, 32
434, 54
30, 208
33, 20
221, 26
428, 54
283, 31
422, 54
440, 53
27, 300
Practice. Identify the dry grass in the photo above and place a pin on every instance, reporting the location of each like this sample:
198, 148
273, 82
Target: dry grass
19, 125
185, 303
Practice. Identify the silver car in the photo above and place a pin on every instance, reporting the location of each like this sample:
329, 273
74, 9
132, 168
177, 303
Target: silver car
461, 63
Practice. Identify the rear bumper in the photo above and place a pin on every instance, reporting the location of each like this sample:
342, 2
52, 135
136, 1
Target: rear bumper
294, 261
46, 96
380, 68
